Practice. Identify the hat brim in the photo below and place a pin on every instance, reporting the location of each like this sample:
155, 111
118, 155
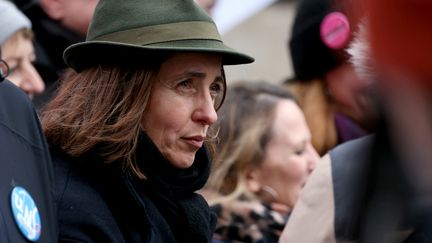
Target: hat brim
86, 54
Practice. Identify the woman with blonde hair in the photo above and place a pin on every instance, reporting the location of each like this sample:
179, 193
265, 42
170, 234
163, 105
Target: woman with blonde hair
263, 159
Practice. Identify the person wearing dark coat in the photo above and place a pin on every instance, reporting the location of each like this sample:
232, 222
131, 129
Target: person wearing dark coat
120, 208
130, 126
27, 211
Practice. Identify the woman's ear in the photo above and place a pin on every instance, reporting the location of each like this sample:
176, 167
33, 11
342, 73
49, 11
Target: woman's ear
53, 8
252, 180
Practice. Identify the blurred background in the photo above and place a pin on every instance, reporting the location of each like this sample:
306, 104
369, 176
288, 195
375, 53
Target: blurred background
259, 28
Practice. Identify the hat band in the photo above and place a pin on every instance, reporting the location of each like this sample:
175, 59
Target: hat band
163, 33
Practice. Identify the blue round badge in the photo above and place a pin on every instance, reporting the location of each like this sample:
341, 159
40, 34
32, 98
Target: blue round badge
25, 213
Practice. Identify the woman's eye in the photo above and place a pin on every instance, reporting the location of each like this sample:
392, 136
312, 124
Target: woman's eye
185, 83
299, 152
216, 89
186, 87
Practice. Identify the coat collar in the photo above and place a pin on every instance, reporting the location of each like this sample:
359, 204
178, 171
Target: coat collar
160, 172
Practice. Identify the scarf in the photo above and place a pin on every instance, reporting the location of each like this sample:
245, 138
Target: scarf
172, 190
244, 220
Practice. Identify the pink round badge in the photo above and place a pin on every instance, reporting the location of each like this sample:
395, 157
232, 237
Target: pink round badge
335, 30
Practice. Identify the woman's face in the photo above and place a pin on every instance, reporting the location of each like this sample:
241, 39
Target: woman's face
75, 15
20, 57
354, 96
289, 156
182, 105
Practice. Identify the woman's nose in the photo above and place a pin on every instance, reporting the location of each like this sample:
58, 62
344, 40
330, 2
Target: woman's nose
205, 111
32, 82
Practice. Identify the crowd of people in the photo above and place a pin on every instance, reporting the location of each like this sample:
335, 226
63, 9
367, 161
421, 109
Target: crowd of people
118, 124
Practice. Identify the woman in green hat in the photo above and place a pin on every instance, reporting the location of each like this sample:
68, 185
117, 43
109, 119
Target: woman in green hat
130, 125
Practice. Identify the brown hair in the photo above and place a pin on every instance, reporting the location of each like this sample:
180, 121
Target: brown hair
100, 109
245, 124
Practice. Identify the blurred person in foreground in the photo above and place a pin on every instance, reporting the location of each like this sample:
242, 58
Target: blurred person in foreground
263, 159
16, 43
382, 191
129, 128
400, 45
57, 24
338, 104
26, 173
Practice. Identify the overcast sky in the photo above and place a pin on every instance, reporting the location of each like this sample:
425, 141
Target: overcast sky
228, 13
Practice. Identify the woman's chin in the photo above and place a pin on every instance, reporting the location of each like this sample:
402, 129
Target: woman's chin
183, 161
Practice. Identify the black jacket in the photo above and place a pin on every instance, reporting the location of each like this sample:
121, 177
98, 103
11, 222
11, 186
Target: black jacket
101, 203
24, 162
370, 186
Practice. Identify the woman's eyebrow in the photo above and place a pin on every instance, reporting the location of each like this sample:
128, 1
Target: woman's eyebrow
200, 75
195, 74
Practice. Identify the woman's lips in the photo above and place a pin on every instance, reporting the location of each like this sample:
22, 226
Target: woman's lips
195, 141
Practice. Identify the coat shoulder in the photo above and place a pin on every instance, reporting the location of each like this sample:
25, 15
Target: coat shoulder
83, 210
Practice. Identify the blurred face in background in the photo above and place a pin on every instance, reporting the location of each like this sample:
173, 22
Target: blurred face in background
19, 54
353, 95
75, 15
289, 156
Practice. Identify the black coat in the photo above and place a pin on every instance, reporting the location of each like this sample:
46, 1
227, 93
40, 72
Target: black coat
24, 162
101, 203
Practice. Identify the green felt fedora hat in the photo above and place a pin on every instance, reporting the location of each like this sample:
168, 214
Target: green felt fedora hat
124, 31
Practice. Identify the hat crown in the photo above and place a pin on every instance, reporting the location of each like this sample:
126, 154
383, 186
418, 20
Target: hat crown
112, 16
142, 31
